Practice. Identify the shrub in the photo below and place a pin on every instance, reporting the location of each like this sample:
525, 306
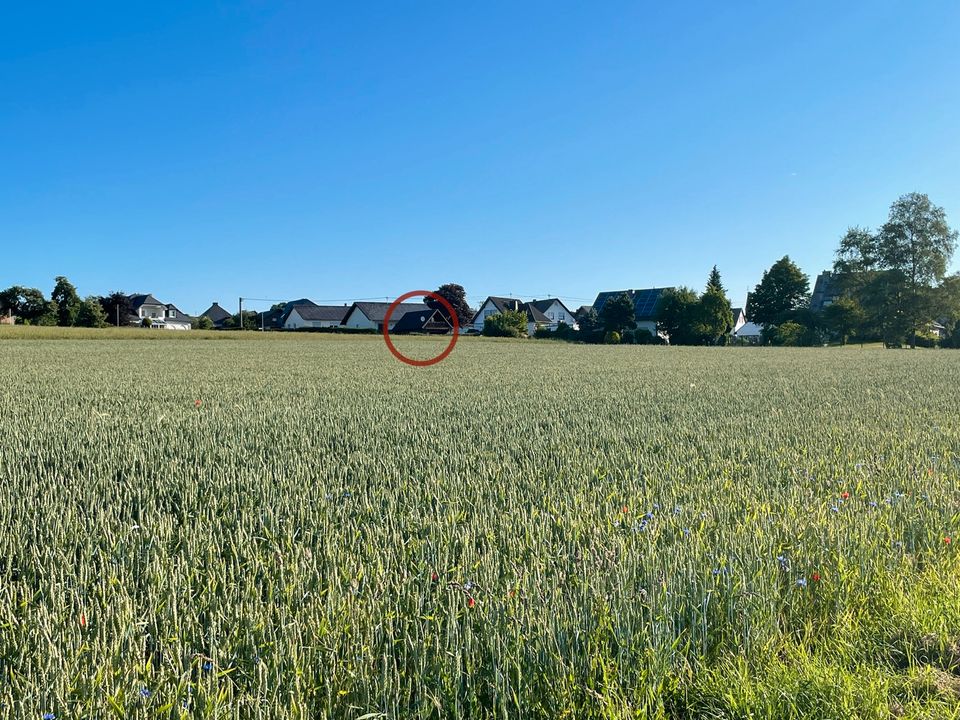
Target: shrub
509, 323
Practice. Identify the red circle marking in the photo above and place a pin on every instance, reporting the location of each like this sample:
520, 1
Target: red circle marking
446, 306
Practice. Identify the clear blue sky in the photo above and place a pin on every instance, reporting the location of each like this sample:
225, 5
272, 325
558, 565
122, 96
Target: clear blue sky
207, 150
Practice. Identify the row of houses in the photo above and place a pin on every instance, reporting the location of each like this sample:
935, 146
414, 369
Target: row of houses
304, 314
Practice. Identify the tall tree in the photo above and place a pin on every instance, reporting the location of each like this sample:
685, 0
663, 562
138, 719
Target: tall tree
784, 287
617, 314
68, 302
714, 282
588, 322
91, 313
917, 241
457, 297
117, 307
843, 318
714, 317
676, 313
28, 304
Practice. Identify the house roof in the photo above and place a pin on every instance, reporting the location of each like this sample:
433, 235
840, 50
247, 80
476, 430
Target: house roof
181, 315
737, 312
418, 320
137, 301
377, 311
312, 312
644, 301
544, 305
216, 313
503, 304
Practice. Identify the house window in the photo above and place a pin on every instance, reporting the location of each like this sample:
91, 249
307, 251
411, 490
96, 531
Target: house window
173, 313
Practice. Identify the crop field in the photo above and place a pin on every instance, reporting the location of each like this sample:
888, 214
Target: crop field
303, 527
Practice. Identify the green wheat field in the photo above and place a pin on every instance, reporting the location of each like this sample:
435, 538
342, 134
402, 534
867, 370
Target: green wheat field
219, 526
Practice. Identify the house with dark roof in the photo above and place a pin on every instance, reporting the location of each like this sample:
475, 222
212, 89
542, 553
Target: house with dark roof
176, 319
555, 311
370, 315
162, 316
314, 316
644, 305
432, 322
494, 305
217, 315
826, 290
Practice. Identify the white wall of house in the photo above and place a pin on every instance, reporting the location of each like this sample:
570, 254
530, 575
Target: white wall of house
152, 311
558, 314
358, 321
738, 323
295, 321
176, 324
485, 311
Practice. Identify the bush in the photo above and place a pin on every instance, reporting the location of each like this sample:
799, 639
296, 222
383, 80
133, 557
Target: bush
612, 338
506, 324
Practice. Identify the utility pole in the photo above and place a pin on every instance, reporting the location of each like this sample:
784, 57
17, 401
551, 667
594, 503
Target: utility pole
118, 314
241, 313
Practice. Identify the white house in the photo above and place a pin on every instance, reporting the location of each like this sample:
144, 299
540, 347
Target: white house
315, 316
176, 319
370, 315
162, 316
556, 312
494, 305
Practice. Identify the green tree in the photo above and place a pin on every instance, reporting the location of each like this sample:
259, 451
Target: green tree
782, 288
28, 304
203, 323
91, 313
948, 308
588, 322
714, 317
509, 323
844, 317
50, 316
893, 273
457, 297
68, 302
676, 315
917, 241
714, 282
116, 306
617, 314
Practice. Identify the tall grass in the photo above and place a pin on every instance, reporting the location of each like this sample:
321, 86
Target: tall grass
307, 528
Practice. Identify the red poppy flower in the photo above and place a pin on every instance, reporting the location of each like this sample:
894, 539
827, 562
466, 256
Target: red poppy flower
83, 620
624, 510
815, 577
471, 602
434, 577
845, 495
946, 540
196, 403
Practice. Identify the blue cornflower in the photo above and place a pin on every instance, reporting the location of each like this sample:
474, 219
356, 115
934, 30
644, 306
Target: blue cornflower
656, 506
686, 531
49, 716
676, 510
784, 563
834, 508
873, 503
208, 666
145, 693
802, 582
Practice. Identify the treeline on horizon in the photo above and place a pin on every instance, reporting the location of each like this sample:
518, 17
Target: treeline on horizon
889, 285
